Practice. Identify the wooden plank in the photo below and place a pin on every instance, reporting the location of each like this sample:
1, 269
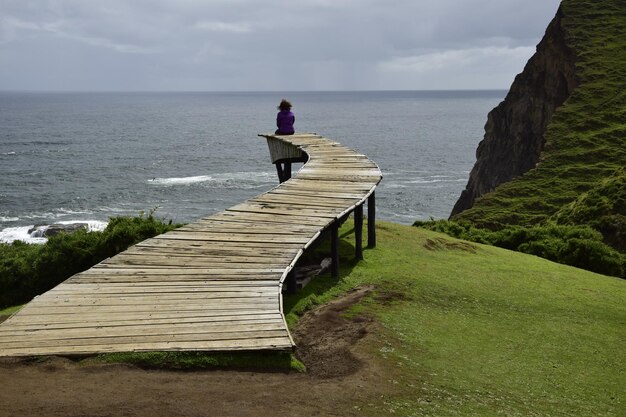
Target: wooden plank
24, 336
306, 183
164, 263
172, 261
268, 304
261, 343
198, 252
151, 260
230, 227
314, 193
154, 297
144, 299
100, 334
156, 338
314, 157
117, 319
210, 285
251, 246
119, 278
98, 271
215, 257
272, 218
335, 170
334, 160
234, 231
129, 293
339, 176
88, 319
228, 248
283, 209
75, 303
122, 289
235, 237
312, 201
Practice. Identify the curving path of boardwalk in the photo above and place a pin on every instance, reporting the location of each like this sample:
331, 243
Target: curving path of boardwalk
213, 285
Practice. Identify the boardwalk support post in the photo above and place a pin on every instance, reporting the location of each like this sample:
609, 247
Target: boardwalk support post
284, 171
334, 249
292, 285
358, 232
371, 221
279, 170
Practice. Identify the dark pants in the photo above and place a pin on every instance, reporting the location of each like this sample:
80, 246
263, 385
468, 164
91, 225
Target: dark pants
278, 132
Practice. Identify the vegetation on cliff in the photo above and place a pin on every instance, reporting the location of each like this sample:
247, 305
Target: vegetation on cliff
579, 178
602, 207
585, 142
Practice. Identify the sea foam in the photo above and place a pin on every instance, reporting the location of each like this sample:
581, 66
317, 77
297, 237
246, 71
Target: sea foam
221, 180
32, 233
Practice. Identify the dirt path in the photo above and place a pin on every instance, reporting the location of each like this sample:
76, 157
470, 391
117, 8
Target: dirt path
343, 378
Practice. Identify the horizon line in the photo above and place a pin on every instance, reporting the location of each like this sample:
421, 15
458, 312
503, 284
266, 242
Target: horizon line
252, 91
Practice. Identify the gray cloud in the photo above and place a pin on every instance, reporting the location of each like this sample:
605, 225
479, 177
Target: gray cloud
266, 45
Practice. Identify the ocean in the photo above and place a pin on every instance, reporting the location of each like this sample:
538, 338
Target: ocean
85, 157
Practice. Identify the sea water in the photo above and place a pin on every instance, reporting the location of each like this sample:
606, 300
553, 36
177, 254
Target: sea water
85, 157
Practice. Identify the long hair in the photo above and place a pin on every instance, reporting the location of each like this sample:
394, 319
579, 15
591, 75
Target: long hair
284, 105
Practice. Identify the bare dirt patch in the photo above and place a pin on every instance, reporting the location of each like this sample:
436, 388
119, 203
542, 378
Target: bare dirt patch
389, 297
325, 338
343, 378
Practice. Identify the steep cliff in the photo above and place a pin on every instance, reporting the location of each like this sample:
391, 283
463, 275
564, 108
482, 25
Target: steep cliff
550, 147
514, 133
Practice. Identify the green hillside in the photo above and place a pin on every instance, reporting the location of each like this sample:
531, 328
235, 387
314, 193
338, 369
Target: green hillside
585, 141
478, 330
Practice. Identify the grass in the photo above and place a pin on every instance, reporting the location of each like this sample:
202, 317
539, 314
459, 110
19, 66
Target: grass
474, 329
485, 331
10, 310
586, 139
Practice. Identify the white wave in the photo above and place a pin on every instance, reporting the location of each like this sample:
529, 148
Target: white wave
92, 225
425, 181
9, 153
106, 209
55, 214
224, 180
8, 219
32, 234
11, 234
64, 211
433, 180
181, 180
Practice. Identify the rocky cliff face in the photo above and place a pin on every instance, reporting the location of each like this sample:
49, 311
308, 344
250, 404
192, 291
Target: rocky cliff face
514, 132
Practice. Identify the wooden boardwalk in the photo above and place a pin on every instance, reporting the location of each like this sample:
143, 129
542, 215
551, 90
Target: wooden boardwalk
213, 285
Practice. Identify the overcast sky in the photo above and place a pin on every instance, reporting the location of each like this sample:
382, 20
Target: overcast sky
267, 45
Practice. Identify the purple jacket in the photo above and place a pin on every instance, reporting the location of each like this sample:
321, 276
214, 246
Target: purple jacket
284, 121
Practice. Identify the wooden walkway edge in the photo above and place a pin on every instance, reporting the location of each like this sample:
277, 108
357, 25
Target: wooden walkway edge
212, 285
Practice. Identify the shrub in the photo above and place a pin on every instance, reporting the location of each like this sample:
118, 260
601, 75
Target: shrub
27, 270
579, 246
594, 256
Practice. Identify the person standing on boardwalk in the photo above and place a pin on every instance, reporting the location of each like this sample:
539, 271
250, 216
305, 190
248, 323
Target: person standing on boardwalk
285, 119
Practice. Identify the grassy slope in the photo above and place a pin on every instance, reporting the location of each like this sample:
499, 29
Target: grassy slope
478, 330
586, 140
485, 331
